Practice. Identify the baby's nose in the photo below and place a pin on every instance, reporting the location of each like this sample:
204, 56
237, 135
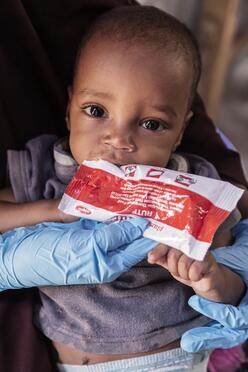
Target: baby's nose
120, 139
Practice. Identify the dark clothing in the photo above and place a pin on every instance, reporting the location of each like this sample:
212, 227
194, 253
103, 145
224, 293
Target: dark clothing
38, 43
22, 347
201, 138
38, 40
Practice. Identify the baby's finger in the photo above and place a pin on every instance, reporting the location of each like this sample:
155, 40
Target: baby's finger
195, 272
158, 253
199, 269
173, 257
162, 262
184, 264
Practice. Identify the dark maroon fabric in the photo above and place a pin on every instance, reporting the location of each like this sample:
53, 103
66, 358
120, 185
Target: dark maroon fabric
22, 346
201, 138
38, 41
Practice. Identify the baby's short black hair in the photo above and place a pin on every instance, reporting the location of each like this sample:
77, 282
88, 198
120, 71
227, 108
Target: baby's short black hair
140, 25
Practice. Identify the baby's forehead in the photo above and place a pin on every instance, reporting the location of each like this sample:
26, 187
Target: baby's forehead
131, 50
103, 52
139, 26
145, 73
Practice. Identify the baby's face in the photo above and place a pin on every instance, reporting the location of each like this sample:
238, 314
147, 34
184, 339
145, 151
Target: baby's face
128, 105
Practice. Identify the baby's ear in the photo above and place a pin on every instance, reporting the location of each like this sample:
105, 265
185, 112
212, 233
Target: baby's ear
188, 117
186, 122
67, 120
178, 141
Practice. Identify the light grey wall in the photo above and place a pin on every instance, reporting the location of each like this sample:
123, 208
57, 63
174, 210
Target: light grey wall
185, 10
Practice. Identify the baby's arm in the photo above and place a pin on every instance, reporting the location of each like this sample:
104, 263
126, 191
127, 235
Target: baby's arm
14, 214
208, 278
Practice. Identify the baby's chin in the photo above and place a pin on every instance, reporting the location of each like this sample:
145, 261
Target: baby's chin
125, 160
113, 161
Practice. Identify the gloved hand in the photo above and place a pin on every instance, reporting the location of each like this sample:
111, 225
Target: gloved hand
230, 325
229, 329
81, 252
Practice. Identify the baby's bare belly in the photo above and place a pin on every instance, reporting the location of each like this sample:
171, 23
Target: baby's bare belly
67, 355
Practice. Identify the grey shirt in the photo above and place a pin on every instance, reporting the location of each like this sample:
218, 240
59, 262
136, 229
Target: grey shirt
143, 309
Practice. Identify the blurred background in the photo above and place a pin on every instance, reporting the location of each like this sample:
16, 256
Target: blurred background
221, 28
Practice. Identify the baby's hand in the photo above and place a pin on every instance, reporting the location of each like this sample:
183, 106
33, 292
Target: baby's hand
200, 275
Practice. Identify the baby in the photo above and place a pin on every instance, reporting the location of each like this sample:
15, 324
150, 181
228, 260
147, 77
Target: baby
135, 77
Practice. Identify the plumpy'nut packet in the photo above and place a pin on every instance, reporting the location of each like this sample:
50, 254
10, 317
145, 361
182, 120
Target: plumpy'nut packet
184, 209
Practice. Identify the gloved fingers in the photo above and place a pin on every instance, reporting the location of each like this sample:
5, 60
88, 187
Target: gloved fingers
235, 257
82, 223
227, 315
205, 338
240, 233
90, 224
61, 226
122, 259
135, 251
111, 237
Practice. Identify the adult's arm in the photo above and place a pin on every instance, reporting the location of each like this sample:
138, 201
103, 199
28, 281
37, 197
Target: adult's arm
13, 215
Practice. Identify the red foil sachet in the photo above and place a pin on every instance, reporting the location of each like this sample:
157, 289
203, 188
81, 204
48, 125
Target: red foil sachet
184, 209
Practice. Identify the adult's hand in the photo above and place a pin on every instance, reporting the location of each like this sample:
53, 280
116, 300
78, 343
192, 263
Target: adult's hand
81, 252
230, 325
229, 328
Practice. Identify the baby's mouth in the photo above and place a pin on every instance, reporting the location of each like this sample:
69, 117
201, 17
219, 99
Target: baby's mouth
112, 160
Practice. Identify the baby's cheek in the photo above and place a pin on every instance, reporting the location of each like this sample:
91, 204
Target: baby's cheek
152, 150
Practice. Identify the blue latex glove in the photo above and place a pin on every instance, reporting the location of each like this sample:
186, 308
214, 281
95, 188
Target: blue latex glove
230, 325
81, 252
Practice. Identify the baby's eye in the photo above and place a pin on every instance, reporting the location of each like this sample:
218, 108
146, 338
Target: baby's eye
94, 110
152, 124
